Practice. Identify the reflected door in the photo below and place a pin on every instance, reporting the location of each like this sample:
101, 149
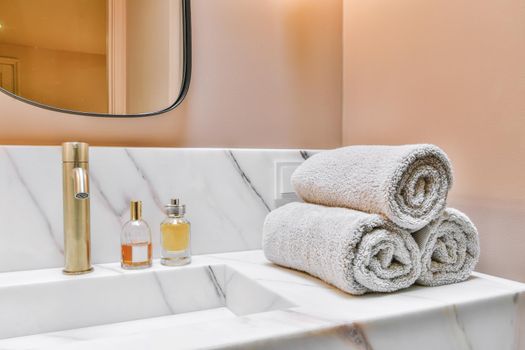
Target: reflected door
9, 74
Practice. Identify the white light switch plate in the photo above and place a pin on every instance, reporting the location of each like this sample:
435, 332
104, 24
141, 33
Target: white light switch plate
283, 189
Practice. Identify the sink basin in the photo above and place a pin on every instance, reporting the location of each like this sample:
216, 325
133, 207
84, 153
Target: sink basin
119, 302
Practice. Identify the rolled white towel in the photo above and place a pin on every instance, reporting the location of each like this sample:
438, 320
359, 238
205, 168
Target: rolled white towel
354, 251
407, 184
449, 249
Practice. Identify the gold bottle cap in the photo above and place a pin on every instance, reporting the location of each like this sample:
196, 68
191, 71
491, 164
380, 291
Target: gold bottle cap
75, 152
136, 210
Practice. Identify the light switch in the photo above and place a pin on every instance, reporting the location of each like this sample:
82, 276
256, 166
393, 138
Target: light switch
284, 192
286, 178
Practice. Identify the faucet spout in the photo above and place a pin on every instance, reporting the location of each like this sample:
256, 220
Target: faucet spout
80, 183
77, 241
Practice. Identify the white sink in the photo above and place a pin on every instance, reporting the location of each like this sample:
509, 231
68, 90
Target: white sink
118, 303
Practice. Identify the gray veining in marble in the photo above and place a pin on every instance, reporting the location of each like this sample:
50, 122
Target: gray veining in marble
240, 301
228, 193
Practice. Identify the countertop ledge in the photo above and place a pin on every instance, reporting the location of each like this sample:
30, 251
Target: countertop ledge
484, 312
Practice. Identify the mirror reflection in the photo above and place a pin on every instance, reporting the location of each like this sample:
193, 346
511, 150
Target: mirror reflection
96, 56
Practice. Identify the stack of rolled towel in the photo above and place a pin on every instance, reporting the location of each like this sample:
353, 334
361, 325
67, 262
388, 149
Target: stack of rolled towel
375, 220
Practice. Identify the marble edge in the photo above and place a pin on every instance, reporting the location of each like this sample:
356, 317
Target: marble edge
230, 259
194, 149
52, 275
216, 259
507, 282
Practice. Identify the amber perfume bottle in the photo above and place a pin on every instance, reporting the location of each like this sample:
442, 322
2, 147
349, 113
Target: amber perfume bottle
136, 240
175, 236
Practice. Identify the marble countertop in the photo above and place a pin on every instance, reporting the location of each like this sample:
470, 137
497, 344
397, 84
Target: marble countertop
484, 312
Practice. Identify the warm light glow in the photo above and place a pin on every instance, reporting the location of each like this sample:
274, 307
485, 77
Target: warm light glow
1, 26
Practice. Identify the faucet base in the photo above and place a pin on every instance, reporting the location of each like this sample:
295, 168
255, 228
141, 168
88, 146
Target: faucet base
72, 273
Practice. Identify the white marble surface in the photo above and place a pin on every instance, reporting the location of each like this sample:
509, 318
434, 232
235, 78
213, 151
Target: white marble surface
227, 192
298, 312
111, 295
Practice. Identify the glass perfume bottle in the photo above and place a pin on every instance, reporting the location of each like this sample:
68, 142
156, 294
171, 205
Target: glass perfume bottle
175, 236
136, 240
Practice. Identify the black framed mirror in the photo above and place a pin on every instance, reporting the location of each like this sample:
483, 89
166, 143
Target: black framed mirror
100, 58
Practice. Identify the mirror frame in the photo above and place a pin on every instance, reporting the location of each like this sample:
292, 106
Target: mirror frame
186, 77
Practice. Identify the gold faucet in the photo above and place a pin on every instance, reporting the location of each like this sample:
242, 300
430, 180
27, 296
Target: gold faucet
75, 180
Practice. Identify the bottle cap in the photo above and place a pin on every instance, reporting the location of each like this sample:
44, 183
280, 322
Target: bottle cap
136, 210
175, 208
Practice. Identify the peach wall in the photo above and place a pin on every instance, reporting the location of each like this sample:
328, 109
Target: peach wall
266, 74
450, 73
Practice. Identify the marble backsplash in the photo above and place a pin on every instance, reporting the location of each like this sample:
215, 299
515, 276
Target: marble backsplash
228, 193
